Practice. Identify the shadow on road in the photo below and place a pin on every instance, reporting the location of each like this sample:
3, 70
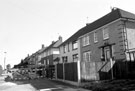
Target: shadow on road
44, 83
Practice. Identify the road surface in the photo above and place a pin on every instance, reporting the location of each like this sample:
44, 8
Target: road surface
37, 85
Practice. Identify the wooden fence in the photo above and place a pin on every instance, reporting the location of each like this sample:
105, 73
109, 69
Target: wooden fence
103, 70
67, 71
59, 71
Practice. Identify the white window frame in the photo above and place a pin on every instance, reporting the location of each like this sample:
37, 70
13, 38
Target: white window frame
75, 57
64, 49
65, 59
86, 40
105, 33
95, 37
83, 41
48, 62
75, 45
68, 47
87, 56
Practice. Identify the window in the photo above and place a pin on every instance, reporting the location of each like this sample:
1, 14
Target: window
95, 37
56, 52
48, 62
105, 33
64, 59
87, 56
48, 53
102, 54
44, 54
75, 57
86, 40
75, 45
68, 47
64, 48
44, 62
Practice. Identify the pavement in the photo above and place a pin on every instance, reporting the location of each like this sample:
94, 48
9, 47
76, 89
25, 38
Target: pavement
37, 85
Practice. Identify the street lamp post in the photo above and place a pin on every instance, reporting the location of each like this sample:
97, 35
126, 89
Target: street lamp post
5, 60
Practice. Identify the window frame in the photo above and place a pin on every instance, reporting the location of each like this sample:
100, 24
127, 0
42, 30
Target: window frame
68, 47
86, 40
75, 57
95, 37
64, 59
74, 43
87, 56
105, 33
64, 49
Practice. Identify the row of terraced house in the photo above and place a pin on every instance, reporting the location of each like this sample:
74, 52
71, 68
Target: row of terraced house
103, 49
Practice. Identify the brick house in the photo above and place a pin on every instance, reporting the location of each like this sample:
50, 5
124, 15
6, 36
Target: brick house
104, 43
69, 59
99, 48
51, 53
69, 51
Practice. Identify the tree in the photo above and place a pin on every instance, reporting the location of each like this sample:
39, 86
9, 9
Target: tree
8, 67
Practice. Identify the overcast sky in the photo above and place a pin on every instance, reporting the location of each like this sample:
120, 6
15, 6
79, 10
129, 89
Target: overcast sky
26, 24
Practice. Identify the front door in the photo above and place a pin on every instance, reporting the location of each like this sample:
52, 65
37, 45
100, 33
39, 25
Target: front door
107, 53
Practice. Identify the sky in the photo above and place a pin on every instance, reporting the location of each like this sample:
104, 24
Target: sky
27, 24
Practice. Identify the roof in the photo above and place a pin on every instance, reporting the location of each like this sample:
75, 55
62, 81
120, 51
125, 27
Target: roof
50, 46
41, 50
112, 16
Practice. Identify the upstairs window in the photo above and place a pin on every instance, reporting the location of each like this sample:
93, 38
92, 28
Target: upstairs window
44, 54
87, 56
86, 40
75, 45
95, 37
105, 33
64, 48
68, 47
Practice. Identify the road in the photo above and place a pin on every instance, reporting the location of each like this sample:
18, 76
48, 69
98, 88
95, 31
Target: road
37, 85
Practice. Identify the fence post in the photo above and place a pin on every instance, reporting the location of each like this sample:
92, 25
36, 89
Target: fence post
111, 68
79, 71
63, 71
56, 71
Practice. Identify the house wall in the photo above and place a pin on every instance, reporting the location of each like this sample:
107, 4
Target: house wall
130, 36
115, 36
130, 30
69, 52
55, 51
48, 58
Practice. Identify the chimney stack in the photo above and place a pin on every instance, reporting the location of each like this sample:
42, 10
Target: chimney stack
43, 46
113, 8
53, 42
60, 38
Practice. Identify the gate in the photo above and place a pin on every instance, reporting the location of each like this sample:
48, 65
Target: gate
50, 71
